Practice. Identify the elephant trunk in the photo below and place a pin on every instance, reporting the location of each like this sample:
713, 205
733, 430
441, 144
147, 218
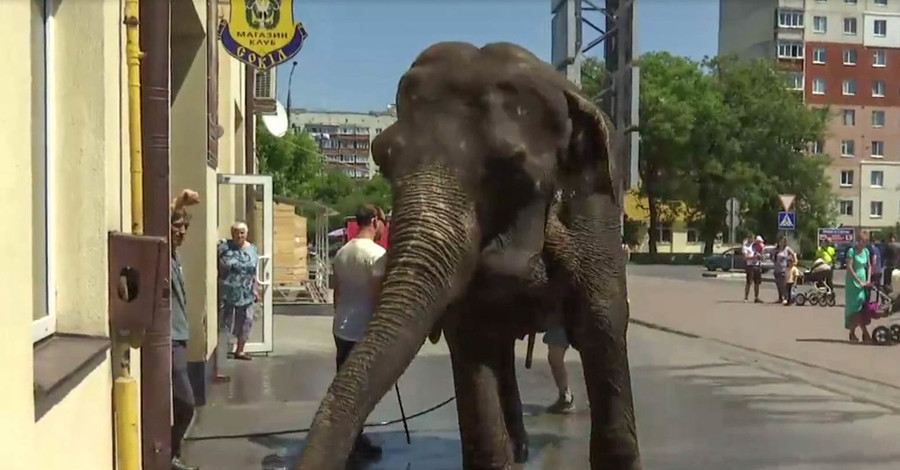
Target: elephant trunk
433, 241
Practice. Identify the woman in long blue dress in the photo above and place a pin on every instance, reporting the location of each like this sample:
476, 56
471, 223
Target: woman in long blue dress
237, 287
859, 272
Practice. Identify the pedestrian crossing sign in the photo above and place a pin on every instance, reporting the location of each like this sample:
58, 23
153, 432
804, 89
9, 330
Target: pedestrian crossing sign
786, 221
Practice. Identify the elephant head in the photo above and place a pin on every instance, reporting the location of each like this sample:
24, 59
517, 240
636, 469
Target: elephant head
485, 142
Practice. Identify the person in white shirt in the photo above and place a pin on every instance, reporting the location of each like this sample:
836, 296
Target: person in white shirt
753, 256
358, 272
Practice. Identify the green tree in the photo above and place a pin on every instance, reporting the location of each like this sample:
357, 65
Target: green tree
293, 161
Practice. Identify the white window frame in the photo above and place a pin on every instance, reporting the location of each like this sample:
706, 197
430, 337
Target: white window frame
848, 148
817, 90
879, 88
849, 2
787, 49
875, 29
818, 147
876, 182
794, 18
879, 152
880, 3
796, 80
845, 207
851, 26
872, 213
879, 58
848, 117
848, 181
880, 121
816, 55
849, 56
46, 325
848, 87
822, 21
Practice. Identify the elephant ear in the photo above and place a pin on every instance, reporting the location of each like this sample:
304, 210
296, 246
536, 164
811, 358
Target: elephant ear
592, 148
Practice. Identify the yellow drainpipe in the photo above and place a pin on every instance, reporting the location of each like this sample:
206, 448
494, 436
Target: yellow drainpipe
125, 387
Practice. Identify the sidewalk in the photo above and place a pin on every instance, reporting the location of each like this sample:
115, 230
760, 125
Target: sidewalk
809, 335
767, 277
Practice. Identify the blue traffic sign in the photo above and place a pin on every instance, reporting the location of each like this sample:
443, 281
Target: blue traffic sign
786, 221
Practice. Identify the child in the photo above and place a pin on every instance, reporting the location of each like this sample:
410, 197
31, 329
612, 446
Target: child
793, 272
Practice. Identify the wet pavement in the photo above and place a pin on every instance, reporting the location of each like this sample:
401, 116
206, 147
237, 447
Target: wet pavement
698, 405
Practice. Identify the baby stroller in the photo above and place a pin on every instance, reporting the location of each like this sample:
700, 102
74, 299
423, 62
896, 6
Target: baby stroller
883, 305
816, 286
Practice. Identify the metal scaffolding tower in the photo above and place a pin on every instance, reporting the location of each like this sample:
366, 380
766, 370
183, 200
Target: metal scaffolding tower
619, 99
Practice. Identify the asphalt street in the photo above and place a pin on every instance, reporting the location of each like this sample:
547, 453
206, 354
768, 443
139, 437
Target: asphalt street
699, 406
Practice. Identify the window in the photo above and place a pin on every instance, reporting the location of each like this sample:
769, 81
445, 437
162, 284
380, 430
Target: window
877, 149
790, 19
44, 314
819, 55
820, 24
848, 148
879, 58
818, 86
849, 116
795, 80
790, 49
877, 118
880, 29
880, 3
818, 147
846, 178
876, 209
850, 26
665, 234
693, 236
876, 179
849, 56
850, 2
878, 88
845, 207
849, 87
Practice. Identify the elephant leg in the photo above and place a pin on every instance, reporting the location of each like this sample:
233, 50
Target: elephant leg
476, 361
512, 404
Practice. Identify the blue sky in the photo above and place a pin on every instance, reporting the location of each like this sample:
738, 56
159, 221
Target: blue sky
358, 49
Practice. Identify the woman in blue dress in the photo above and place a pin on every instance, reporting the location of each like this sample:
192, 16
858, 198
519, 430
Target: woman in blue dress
856, 289
238, 289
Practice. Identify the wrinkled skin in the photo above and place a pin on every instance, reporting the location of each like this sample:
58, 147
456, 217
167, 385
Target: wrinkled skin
505, 215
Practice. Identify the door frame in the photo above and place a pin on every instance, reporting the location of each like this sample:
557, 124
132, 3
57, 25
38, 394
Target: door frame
266, 262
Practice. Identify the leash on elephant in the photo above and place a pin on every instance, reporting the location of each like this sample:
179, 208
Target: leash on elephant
403, 419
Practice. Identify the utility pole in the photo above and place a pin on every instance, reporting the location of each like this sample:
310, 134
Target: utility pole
619, 99
290, 87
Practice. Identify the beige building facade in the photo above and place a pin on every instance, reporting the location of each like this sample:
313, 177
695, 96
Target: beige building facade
345, 139
64, 146
841, 55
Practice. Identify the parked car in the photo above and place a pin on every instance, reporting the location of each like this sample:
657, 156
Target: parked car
733, 258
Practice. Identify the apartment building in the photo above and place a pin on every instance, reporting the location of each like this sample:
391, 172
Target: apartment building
67, 179
842, 54
345, 138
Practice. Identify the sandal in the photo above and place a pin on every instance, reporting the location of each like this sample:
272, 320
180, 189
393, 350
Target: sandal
853, 338
243, 357
222, 379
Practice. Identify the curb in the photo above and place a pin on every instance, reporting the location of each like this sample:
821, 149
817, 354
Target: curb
686, 334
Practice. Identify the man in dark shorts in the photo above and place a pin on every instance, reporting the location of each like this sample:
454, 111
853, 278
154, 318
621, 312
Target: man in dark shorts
557, 344
752, 252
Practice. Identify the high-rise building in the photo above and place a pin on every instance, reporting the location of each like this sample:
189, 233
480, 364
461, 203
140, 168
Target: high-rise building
840, 54
345, 138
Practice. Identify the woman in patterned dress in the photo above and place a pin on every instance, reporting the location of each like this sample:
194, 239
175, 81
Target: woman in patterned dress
238, 288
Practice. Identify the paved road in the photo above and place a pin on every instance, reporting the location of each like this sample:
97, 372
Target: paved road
700, 406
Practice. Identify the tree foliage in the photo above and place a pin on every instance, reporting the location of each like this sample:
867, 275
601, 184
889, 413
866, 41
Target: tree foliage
725, 128
295, 163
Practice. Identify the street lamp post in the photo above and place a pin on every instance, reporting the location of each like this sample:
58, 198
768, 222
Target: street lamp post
290, 86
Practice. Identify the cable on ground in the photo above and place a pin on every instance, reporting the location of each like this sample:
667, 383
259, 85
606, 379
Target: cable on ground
304, 430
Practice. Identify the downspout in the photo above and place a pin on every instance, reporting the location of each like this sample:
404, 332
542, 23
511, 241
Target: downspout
249, 140
125, 388
156, 355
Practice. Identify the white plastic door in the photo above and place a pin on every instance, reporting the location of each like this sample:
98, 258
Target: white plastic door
249, 198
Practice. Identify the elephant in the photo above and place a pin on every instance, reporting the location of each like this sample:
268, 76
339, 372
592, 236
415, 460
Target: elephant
507, 203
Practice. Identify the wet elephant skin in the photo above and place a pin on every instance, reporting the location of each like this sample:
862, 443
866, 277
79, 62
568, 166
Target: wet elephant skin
506, 219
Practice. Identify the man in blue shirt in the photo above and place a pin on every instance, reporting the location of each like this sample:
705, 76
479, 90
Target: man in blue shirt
875, 260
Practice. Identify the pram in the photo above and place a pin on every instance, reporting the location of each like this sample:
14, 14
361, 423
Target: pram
882, 305
815, 286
